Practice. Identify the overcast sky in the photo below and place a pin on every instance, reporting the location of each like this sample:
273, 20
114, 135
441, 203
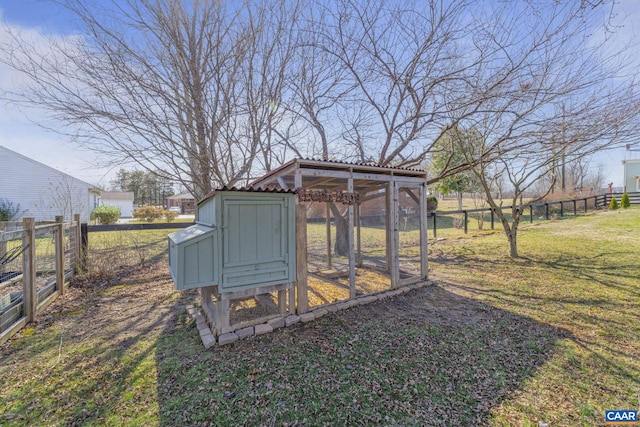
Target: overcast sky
20, 132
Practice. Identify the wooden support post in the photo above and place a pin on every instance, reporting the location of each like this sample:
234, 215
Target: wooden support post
29, 270
206, 303
221, 313
282, 301
575, 209
352, 255
328, 224
358, 239
301, 259
387, 225
546, 206
59, 243
292, 299
585, 205
561, 208
395, 238
424, 244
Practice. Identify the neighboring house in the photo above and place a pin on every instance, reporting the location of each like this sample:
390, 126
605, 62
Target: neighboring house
185, 202
631, 175
42, 191
123, 200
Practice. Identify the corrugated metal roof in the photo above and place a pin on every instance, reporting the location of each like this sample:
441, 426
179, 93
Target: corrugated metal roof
246, 190
333, 164
359, 163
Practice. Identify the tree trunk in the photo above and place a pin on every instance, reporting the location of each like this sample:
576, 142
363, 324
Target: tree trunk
341, 247
513, 245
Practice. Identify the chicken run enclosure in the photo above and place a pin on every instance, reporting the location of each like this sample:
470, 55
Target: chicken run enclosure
356, 230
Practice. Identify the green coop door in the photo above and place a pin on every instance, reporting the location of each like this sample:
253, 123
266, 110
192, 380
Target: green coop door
254, 243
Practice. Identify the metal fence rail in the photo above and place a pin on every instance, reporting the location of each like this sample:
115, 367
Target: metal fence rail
540, 211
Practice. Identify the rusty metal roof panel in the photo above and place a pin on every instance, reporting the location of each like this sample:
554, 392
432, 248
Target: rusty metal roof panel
246, 190
370, 167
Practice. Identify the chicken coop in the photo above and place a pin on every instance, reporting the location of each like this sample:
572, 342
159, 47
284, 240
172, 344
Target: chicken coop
242, 247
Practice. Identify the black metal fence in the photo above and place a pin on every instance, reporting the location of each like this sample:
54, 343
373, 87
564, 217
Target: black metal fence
537, 211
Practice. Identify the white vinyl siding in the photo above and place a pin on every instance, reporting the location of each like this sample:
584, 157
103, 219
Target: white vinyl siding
41, 191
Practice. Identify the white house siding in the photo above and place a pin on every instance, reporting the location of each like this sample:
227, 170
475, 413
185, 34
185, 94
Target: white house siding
41, 191
121, 200
632, 175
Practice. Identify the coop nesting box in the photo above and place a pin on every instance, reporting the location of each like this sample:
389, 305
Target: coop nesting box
242, 239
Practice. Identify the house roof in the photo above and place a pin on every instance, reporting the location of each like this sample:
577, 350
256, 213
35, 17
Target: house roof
181, 196
16, 154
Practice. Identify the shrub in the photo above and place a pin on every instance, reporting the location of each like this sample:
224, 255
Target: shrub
148, 213
106, 214
432, 203
614, 204
8, 211
170, 215
625, 203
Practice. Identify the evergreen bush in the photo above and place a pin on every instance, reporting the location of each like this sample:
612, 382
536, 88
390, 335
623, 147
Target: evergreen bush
106, 214
432, 203
625, 202
614, 204
8, 211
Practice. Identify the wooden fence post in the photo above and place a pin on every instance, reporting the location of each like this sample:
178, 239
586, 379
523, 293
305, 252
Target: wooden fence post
546, 205
585, 205
531, 214
575, 210
435, 228
82, 244
466, 219
3, 247
59, 244
561, 209
29, 270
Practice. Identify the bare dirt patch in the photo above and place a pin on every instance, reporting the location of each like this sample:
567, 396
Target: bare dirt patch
139, 300
121, 307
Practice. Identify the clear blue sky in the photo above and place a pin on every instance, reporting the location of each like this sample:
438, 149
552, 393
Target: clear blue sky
18, 131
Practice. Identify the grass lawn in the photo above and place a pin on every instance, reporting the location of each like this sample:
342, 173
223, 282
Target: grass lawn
553, 337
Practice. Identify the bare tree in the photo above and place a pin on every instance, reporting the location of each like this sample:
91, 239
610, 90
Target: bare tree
402, 59
559, 97
212, 93
171, 86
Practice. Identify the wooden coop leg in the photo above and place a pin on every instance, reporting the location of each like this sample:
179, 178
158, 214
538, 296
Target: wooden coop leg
207, 304
222, 313
282, 301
